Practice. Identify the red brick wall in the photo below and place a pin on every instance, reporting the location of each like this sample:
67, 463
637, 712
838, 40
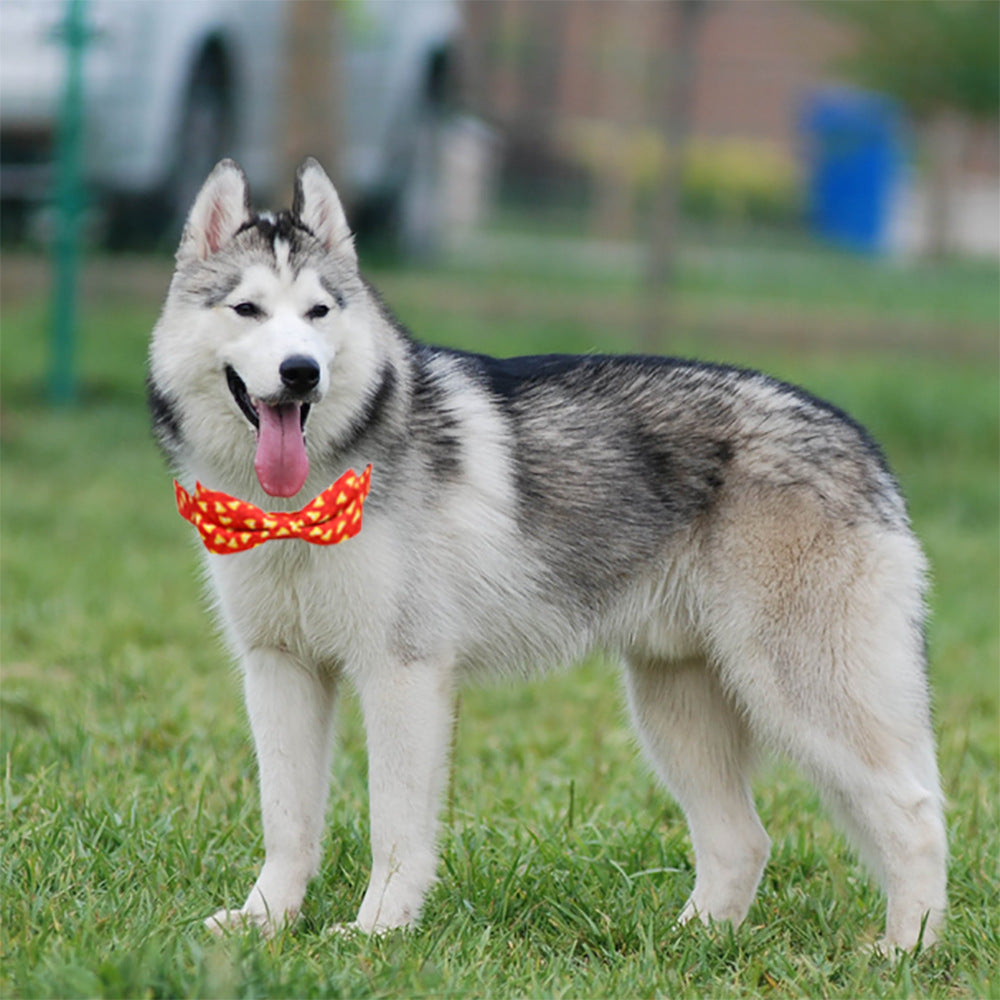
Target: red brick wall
756, 59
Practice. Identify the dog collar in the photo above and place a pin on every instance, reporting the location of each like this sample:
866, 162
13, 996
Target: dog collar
228, 525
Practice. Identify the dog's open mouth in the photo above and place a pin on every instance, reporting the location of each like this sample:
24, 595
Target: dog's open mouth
281, 462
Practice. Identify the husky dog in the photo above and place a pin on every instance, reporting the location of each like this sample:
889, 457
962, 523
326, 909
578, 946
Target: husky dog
738, 545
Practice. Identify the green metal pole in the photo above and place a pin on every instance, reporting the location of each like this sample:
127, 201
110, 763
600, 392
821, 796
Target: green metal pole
69, 205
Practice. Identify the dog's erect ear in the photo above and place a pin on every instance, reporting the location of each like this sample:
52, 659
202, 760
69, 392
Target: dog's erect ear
221, 207
317, 206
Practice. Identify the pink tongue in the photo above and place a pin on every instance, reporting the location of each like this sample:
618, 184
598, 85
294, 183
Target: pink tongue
281, 461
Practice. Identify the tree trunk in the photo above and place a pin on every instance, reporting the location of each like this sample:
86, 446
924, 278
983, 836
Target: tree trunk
313, 90
673, 79
945, 135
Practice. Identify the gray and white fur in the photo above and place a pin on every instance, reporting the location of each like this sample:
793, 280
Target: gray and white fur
738, 545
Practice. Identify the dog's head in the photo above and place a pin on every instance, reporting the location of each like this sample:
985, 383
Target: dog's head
264, 323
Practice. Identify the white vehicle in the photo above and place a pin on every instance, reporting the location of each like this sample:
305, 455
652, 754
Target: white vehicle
170, 87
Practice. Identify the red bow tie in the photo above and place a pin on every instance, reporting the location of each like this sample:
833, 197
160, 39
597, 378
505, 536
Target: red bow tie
230, 525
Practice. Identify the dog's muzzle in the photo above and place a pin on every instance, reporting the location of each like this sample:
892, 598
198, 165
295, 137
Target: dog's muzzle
301, 381
280, 461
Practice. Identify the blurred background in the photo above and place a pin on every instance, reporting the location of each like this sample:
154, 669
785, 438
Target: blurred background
871, 126
632, 140
809, 188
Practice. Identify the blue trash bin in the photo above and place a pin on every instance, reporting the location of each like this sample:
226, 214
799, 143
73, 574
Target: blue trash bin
855, 156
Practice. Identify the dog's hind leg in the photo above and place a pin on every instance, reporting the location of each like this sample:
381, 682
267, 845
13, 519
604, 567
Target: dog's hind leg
829, 667
893, 815
701, 749
880, 782
290, 709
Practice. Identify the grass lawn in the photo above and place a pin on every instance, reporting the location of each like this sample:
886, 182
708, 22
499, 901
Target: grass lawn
129, 801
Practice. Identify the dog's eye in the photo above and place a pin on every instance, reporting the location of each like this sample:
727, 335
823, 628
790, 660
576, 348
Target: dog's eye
318, 311
248, 310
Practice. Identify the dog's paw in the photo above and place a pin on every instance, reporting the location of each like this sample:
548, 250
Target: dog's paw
224, 922
893, 950
911, 940
357, 930
717, 912
351, 930
689, 913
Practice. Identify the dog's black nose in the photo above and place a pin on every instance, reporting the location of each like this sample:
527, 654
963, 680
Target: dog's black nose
299, 373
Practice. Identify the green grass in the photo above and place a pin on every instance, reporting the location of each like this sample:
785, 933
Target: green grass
129, 803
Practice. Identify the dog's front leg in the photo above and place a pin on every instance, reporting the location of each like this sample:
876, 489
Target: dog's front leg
408, 710
290, 708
